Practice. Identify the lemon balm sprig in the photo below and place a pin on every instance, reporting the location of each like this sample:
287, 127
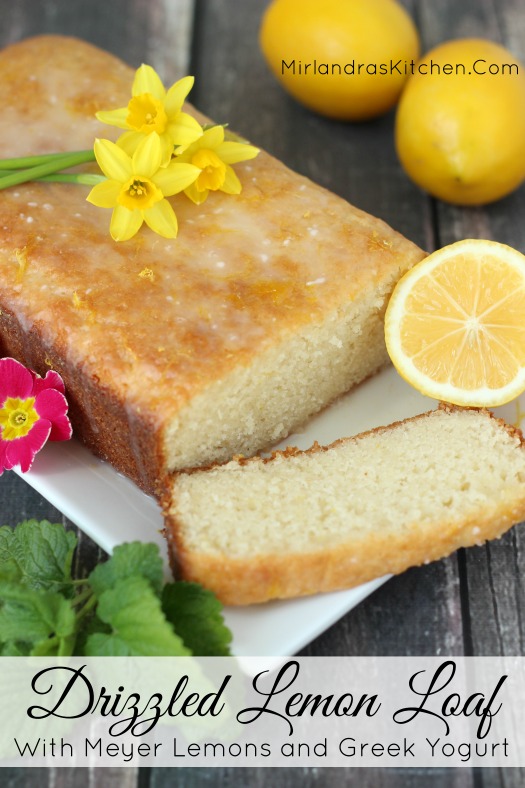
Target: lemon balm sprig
123, 608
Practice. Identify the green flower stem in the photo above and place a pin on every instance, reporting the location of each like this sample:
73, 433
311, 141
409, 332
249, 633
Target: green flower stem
86, 178
23, 162
82, 597
48, 167
90, 604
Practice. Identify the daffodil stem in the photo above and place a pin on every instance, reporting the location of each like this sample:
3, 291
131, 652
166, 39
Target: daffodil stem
23, 162
53, 164
86, 178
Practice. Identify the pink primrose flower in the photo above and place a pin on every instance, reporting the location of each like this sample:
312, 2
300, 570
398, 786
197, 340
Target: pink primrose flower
33, 410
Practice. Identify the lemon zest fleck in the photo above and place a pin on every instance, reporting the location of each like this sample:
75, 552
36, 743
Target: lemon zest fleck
21, 258
147, 273
375, 242
77, 301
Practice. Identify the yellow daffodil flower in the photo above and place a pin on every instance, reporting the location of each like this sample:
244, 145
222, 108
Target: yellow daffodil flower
213, 156
137, 186
152, 109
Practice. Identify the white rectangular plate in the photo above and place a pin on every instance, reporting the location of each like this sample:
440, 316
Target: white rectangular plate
112, 510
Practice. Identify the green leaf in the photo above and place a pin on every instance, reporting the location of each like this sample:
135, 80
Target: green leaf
129, 560
37, 554
138, 625
196, 616
32, 616
90, 626
15, 649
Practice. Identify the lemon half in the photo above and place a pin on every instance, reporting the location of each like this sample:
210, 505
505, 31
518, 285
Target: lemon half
455, 324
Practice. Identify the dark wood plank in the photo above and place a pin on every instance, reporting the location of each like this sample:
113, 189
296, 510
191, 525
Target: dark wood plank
109, 778
71, 778
492, 579
157, 32
493, 573
469, 19
64, 777
312, 778
25, 778
417, 613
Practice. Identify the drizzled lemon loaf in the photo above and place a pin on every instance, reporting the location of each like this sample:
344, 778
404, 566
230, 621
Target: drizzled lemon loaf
177, 353
331, 518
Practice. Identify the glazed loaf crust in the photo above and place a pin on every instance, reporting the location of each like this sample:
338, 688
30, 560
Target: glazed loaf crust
178, 353
334, 517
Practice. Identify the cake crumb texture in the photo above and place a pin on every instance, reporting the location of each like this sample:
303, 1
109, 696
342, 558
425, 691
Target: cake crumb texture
364, 507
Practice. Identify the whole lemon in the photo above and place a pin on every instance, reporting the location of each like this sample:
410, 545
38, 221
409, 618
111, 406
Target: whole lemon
346, 59
460, 123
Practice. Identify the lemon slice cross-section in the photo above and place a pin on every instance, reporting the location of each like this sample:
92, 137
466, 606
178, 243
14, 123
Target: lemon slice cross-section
455, 324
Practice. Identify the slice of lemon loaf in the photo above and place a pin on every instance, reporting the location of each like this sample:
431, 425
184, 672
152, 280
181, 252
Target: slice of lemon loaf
176, 353
328, 518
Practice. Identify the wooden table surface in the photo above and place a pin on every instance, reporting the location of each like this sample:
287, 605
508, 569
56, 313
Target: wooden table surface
473, 603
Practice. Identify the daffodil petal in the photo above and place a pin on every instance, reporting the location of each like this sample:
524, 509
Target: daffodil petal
148, 81
129, 141
176, 95
124, 223
112, 160
212, 137
162, 220
184, 129
167, 149
175, 178
185, 152
148, 156
114, 117
195, 195
232, 184
104, 194
233, 152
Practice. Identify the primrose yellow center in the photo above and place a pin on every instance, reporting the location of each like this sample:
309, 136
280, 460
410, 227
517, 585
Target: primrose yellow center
146, 114
17, 416
139, 194
213, 169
